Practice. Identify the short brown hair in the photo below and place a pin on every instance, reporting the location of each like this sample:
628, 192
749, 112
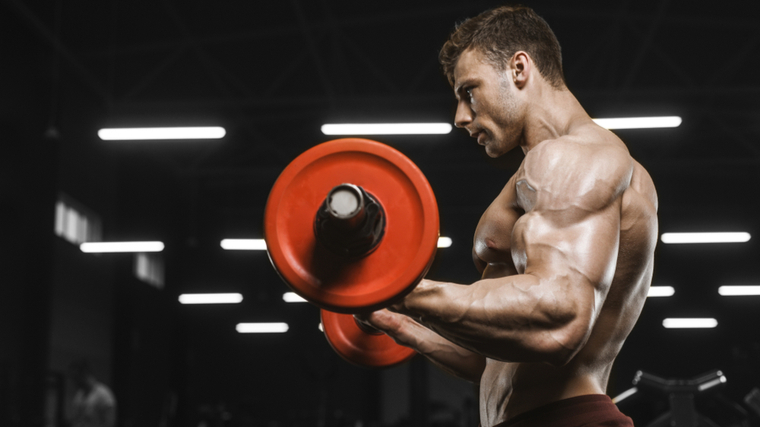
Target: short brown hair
501, 32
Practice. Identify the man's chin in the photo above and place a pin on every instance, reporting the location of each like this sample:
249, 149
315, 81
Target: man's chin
492, 153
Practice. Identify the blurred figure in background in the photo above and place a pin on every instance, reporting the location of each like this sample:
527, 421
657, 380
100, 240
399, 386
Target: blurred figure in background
93, 404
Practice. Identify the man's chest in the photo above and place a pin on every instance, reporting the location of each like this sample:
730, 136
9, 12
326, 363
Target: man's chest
493, 241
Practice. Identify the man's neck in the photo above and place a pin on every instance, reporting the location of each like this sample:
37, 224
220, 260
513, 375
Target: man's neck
550, 114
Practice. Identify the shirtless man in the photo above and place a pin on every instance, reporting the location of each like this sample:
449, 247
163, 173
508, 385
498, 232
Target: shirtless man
565, 250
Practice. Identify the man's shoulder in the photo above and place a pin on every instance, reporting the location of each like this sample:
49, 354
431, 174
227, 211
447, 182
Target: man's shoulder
102, 394
580, 166
589, 146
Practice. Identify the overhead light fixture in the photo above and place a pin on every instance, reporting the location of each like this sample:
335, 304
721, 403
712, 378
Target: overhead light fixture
262, 328
230, 298
120, 247
244, 244
444, 242
685, 323
661, 291
292, 297
132, 134
716, 237
727, 291
386, 129
639, 122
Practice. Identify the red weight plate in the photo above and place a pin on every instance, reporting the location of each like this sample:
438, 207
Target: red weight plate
359, 347
328, 280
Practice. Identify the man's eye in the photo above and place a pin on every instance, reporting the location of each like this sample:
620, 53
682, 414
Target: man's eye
468, 91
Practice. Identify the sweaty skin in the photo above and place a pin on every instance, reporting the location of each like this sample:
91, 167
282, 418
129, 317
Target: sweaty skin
565, 251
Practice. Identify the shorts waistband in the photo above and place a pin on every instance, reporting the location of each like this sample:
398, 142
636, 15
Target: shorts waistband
578, 410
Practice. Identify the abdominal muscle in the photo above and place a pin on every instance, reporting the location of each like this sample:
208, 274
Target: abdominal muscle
509, 389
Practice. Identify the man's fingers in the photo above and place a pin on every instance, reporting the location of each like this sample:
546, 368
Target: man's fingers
383, 320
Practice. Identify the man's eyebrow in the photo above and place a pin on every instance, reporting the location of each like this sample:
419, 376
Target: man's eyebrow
459, 85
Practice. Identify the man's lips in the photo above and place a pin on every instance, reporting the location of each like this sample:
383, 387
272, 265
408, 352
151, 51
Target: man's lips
478, 134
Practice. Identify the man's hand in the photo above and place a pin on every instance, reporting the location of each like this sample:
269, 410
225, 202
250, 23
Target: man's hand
406, 331
383, 321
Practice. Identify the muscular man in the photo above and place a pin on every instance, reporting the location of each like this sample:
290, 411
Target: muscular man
565, 250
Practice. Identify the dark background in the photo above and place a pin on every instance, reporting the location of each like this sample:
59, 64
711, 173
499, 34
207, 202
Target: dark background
271, 73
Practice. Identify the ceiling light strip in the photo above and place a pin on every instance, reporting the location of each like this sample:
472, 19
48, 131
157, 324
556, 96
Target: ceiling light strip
661, 291
444, 242
244, 244
711, 237
262, 328
386, 129
639, 122
292, 297
689, 323
121, 247
729, 291
133, 134
228, 298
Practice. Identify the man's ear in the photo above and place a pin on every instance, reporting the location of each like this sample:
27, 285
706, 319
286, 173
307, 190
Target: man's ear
521, 68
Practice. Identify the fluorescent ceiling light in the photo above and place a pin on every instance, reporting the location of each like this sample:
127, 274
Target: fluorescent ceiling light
120, 134
444, 242
730, 237
262, 328
661, 291
244, 244
292, 297
120, 247
738, 290
680, 323
232, 298
639, 122
386, 129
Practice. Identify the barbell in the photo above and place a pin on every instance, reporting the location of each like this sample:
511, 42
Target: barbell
351, 225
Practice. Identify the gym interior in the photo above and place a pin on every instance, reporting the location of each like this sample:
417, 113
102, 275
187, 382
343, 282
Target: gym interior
266, 77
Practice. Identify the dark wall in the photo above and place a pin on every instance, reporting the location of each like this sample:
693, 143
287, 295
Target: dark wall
26, 253
27, 195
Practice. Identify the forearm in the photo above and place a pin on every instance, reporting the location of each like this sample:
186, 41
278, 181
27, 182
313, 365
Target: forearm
510, 319
448, 356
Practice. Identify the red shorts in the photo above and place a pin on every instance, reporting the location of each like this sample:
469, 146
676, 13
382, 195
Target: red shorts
593, 410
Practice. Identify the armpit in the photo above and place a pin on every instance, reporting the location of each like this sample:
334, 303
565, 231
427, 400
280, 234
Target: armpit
526, 195
479, 263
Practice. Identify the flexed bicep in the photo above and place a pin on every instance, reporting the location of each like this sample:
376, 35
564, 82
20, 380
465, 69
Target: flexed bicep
563, 246
569, 240
574, 264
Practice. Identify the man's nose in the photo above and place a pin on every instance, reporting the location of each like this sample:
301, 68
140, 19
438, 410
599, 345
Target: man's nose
463, 116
